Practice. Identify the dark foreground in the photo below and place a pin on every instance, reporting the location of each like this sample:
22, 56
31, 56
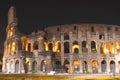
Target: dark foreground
57, 77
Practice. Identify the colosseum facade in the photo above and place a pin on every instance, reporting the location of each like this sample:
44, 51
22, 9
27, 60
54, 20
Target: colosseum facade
70, 48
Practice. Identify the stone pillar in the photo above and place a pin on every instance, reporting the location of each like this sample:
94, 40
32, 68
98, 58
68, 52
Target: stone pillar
4, 65
32, 42
71, 71
99, 68
98, 47
108, 66
89, 66
62, 49
89, 46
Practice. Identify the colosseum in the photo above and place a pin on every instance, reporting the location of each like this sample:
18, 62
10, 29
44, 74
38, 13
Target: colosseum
70, 48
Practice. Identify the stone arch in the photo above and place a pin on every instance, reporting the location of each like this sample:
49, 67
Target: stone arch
84, 46
112, 66
103, 48
11, 67
110, 47
50, 47
94, 66
85, 67
35, 45
57, 47
58, 66
119, 66
103, 66
93, 46
34, 66
66, 47
67, 66
118, 46
13, 46
29, 47
76, 66
43, 66
17, 67
75, 47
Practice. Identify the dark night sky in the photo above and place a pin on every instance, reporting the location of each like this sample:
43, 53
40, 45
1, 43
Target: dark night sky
36, 14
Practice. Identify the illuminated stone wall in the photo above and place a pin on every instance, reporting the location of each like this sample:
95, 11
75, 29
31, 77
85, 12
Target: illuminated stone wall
72, 48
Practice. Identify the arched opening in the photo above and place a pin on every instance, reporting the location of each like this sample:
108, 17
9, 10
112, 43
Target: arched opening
110, 47
35, 45
24, 42
43, 65
11, 67
84, 46
34, 66
76, 66
7, 66
50, 46
75, 47
8, 48
57, 47
118, 46
112, 66
67, 66
28, 67
93, 46
119, 66
103, 66
13, 46
85, 67
46, 46
58, 66
17, 66
29, 47
103, 48
66, 47
94, 66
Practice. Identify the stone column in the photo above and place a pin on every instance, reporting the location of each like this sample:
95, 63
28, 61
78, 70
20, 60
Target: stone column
4, 65
108, 66
62, 49
90, 66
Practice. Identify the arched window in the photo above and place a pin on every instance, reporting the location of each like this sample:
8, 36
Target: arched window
34, 66
17, 66
57, 47
93, 46
29, 47
66, 66
43, 65
85, 67
75, 47
118, 46
110, 47
103, 66
94, 66
58, 66
103, 48
84, 46
112, 66
76, 66
13, 46
66, 47
50, 46
35, 45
